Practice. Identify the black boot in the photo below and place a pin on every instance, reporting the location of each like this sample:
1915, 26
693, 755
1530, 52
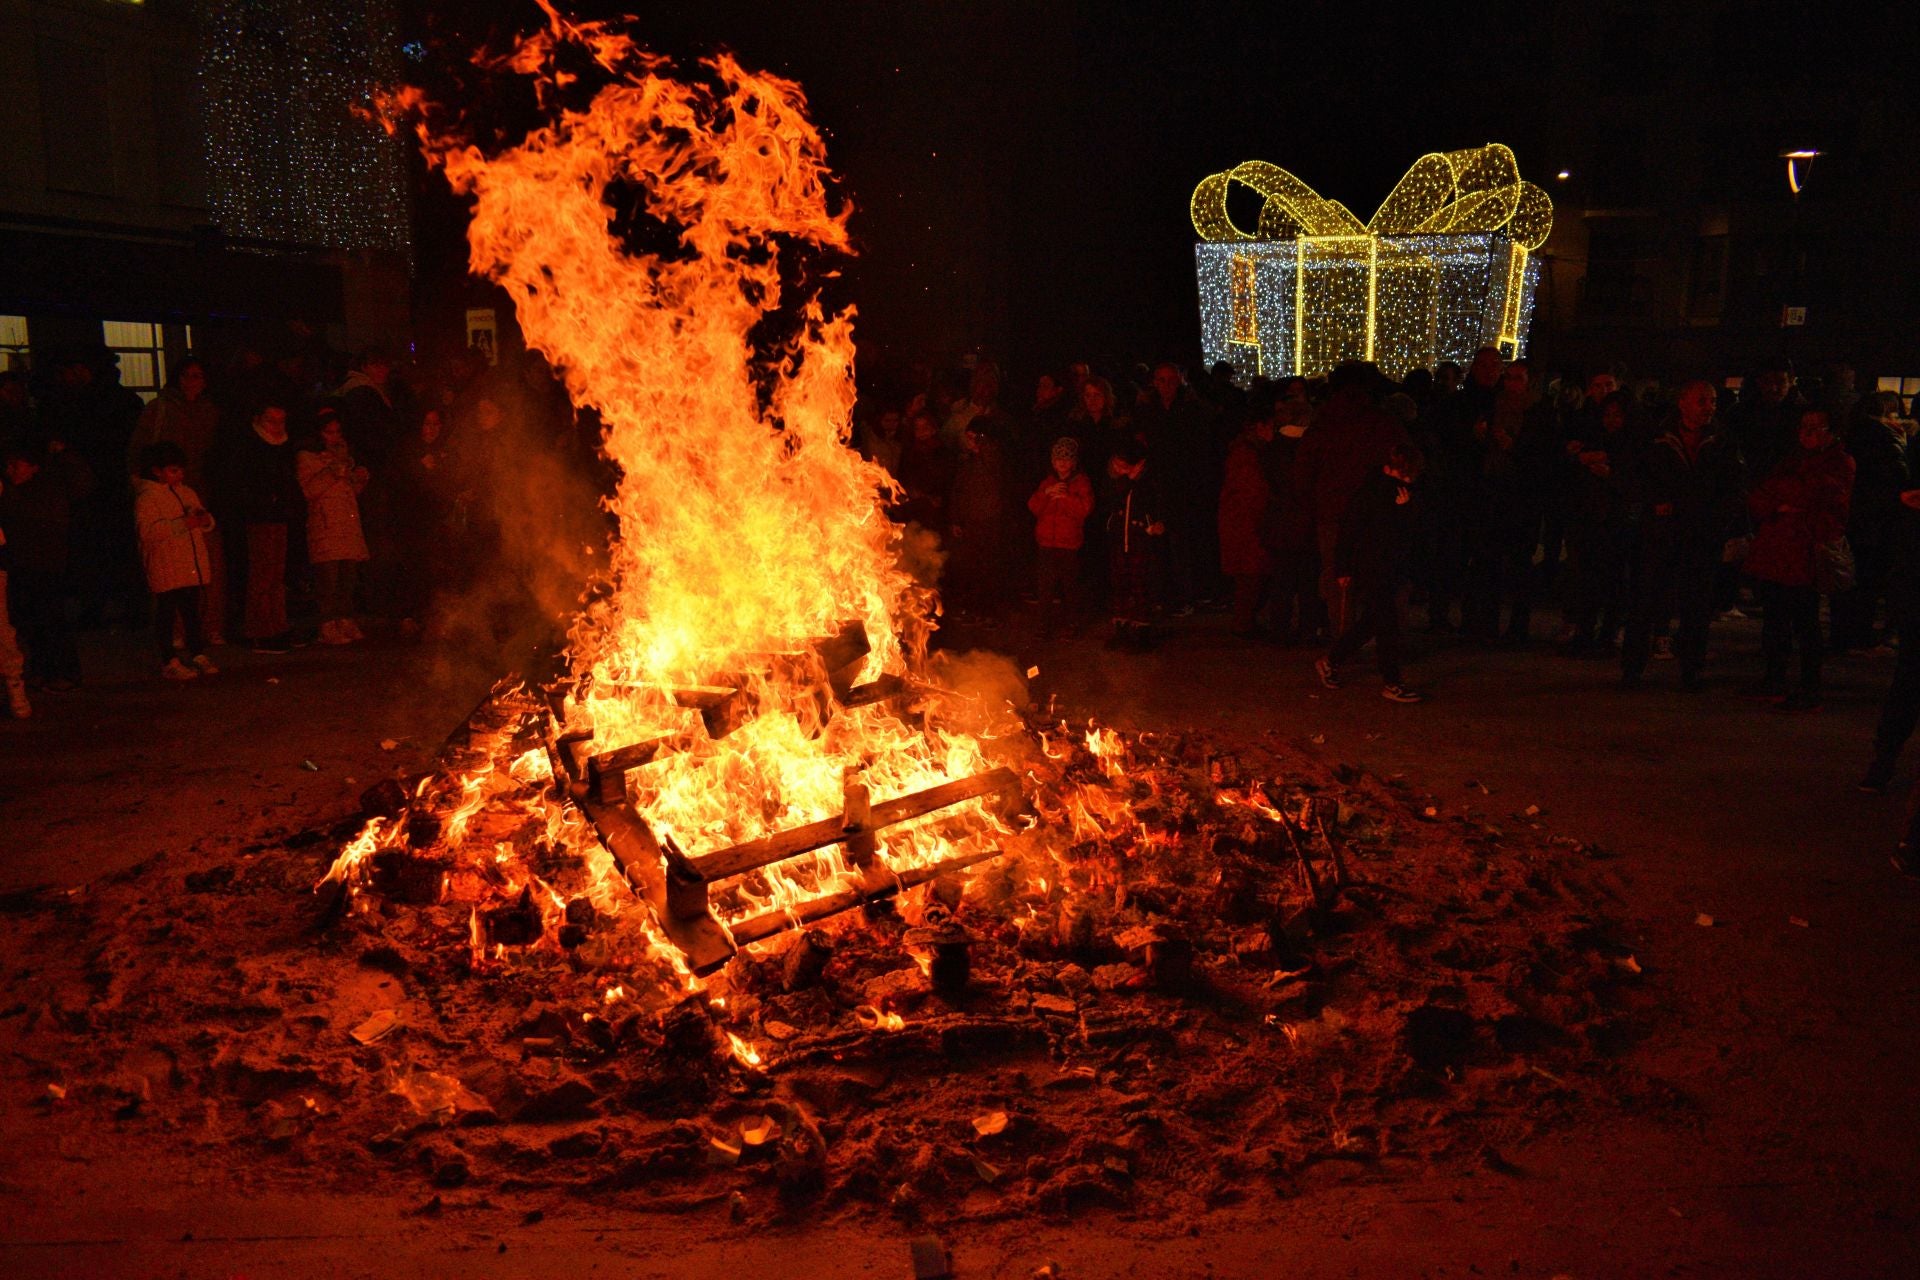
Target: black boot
1879, 776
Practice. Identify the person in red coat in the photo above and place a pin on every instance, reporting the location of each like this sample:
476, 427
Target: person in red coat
1352, 438
1799, 508
1245, 494
1060, 509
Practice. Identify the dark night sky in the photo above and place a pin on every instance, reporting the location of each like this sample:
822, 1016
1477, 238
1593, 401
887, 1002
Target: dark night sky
1022, 170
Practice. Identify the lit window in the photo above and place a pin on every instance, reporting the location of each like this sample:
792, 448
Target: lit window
13, 342
137, 349
1906, 387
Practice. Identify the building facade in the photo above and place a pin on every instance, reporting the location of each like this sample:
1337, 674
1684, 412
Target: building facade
178, 172
1733, 191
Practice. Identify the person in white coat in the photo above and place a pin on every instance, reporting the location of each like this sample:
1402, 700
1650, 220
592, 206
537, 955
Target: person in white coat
173, 526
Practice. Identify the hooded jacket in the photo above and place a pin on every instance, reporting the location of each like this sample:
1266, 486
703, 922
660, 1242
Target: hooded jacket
369, 417
1818, 488
1350, 440
173, 553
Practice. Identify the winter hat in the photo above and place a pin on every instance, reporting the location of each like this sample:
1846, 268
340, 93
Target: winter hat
1066, 447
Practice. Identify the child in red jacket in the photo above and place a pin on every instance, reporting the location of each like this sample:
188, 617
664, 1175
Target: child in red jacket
1060, 509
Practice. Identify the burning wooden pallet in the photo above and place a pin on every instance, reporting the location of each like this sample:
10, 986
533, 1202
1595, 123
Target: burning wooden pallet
678, 886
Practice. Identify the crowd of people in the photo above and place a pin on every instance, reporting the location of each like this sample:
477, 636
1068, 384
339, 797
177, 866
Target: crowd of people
273, 501
1315, 511
1318, 512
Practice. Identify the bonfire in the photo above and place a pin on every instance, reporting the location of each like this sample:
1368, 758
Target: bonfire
739, 731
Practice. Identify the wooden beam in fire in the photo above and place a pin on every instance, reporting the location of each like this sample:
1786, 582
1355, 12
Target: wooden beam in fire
876, 883
791, 843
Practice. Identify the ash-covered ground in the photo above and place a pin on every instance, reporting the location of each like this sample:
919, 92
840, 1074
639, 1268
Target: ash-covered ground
1209, 965
1741, 1108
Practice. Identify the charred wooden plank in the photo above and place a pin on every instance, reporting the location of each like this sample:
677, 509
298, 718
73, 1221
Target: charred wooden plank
742, 858
643, 862
880, 690
842, 652
856, 819
607, 771
878, 882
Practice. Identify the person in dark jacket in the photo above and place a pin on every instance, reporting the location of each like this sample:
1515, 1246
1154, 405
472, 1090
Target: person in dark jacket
1136, 540
370, 412
1799, 508
44, 490
423, 486
976, 514
1900, 711
1351, 439
89, 412
1600, 526
1511, 451
1187, 457
1297, 609
1369, 564
262, 497
1763, 425
1692, 493
1060, 508
926, 474
1246, 492
1878, 443
1449, 430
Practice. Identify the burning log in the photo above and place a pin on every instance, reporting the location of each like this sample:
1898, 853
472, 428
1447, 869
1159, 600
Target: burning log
754, 854
643, 862
606, 773
842, 653
876, 691
516, 924
877, 885
406, 876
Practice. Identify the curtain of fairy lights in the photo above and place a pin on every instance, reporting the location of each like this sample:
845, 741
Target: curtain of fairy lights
290, 155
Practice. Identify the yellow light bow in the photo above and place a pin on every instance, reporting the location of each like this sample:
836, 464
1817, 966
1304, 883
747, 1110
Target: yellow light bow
1445, 193
1393, 290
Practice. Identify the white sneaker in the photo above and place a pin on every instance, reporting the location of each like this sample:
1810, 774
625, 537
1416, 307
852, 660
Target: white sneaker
204, 665
178, 670
351, 629
1663, 648
17, 698
330, 633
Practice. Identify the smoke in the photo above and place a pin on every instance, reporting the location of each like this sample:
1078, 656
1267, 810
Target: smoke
530, 531
992, 688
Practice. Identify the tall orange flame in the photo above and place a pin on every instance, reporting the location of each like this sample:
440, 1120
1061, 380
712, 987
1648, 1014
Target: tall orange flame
748, 529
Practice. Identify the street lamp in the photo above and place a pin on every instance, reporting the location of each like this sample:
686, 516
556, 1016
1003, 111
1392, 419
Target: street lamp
1795, 159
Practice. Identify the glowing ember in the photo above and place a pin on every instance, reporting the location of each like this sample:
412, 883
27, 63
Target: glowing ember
879, 1019
747, 1055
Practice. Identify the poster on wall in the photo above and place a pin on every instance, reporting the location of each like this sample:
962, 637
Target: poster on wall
483, 332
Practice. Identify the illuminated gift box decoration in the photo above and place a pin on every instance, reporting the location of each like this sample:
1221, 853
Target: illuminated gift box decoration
1444, 268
